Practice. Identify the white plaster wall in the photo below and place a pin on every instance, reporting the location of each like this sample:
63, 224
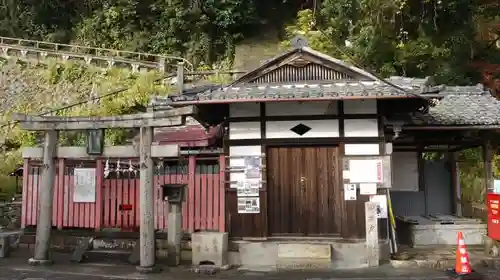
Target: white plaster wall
361, 128
244, 110
244, 130
361, 149
405, 171
360, 106
319, 128
301, 108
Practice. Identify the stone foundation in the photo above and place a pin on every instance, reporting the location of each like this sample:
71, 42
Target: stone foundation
251, 255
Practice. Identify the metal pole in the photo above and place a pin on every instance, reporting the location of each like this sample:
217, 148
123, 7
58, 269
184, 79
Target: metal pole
44, 224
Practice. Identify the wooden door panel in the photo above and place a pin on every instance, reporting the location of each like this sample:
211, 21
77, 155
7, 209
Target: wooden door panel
303, 190
282, 187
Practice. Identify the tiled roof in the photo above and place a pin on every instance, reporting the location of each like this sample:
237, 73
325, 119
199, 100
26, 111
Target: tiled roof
334, 90
459, 105
467, 105
193, 135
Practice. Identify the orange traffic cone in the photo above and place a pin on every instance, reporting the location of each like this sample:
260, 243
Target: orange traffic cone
462, 262
463, 269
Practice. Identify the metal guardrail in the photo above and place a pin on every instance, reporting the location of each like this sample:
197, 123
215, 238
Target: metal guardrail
130, 57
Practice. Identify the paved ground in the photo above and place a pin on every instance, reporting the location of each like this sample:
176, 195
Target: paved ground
16, 268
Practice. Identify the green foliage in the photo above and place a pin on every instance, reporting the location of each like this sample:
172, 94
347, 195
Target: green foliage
201, 31
403, 37
33, 89
38, 89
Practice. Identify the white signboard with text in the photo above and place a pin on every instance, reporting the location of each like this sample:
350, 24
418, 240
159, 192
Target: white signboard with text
84, 185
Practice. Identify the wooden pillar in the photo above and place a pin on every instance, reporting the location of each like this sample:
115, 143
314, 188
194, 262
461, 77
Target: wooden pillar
44, 223
488, 167
146, 198
222, 192
99, 193
455, 184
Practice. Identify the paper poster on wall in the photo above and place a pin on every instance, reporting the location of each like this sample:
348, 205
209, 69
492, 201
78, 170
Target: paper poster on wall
245, 168
237, 162
381, 201
365, 171
368, 188
345, 174
252, 167
248, 187
349, 191
248, 205
84, 185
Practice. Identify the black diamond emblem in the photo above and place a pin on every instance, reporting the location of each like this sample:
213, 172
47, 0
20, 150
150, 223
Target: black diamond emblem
300, 129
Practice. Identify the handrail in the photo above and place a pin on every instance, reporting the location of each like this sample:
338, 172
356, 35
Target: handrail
77, 49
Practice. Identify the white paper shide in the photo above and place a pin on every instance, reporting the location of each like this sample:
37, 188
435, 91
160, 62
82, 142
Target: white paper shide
84, 185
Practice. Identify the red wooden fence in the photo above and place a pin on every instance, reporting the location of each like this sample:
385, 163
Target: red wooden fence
203, 208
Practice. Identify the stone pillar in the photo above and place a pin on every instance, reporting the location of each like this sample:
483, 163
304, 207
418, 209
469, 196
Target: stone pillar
174, 234
147, 228
44, 223
180, 77
162, 65
372, 244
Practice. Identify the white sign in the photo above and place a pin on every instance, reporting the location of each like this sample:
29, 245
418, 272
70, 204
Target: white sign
349, 191
85, 185
253, 167
365, 171
246, 169
345, 174
248, 205
381, 201
248, 187
367, 188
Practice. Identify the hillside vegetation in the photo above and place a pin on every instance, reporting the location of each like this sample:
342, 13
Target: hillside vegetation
408, 37
35, 89
442, 38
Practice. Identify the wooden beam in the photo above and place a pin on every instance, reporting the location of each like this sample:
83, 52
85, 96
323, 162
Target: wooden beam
173, 117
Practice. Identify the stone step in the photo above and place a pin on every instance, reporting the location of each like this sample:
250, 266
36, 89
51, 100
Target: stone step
107, 256
304, 251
